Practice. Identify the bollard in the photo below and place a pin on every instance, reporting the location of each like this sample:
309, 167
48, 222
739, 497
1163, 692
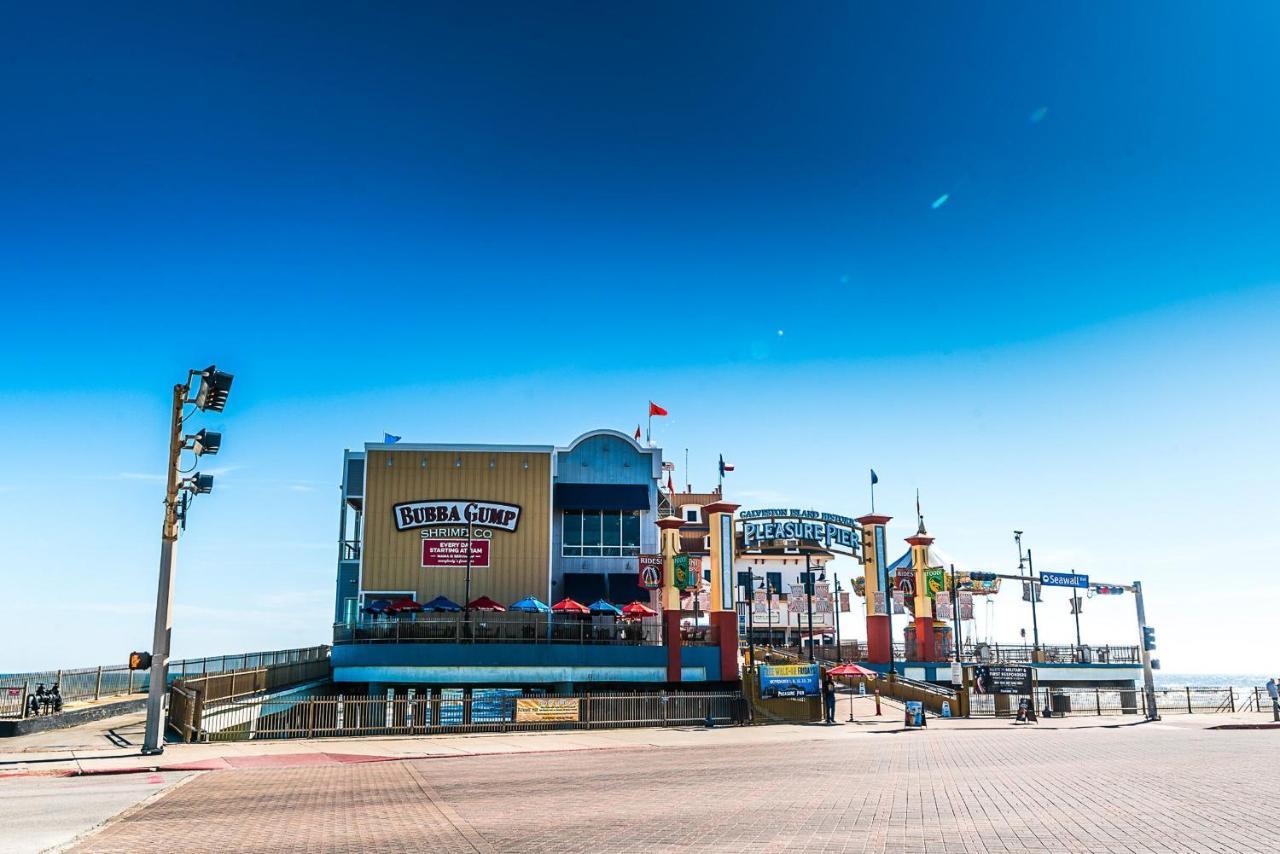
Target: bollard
878, 701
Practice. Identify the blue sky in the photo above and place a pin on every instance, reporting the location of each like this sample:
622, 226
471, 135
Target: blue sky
502, 223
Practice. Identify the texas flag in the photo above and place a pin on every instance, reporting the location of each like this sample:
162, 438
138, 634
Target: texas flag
637, 432
655, 409
724, 467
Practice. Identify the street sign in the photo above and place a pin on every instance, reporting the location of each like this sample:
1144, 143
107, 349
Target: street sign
1064, 579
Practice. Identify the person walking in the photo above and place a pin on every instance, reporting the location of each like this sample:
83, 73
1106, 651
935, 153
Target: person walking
1274, 693
829, 699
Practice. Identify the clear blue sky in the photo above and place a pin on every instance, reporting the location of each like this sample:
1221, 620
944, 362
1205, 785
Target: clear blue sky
1024, 259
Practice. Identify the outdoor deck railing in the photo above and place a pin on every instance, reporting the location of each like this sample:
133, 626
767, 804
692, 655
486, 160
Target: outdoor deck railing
513, 628
988, 654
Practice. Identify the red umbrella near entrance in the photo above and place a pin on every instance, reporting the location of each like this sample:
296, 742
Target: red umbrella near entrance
484, 603
638, 609
855, 671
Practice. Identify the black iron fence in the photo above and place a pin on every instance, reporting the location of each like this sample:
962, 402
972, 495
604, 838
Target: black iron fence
512, 628
497, 711
95, 683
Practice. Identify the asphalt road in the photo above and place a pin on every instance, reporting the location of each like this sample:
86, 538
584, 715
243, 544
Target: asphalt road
39, 813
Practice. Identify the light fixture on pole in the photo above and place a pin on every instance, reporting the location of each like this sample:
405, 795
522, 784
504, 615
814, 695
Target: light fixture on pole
210, 396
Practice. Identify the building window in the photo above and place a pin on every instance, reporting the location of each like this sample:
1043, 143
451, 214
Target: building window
600, 533
774, 581
692, 514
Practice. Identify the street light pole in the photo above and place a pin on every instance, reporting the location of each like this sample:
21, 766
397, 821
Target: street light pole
214, 387
1148, 678
153, 737
835, 615
808, 599
1030, 571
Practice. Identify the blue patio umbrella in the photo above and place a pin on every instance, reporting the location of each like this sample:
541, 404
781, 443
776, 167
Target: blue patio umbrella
377, 606
441, 603
530, 605
603, 608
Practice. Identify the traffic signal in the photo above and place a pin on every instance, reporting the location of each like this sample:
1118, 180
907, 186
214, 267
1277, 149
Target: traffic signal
983, 576
1108, 589
1148, 638
215, 385
139, 661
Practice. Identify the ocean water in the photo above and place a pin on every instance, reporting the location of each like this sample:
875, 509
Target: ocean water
1242, 682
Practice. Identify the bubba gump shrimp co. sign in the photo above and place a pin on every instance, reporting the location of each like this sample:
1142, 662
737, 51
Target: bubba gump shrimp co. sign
456, 532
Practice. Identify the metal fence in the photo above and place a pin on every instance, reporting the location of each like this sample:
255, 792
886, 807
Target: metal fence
512, 628
1062, 702
94, 683
1256, 699
496, 710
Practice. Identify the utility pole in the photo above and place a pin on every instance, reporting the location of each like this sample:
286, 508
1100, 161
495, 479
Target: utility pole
212, 396
163, 630
1148, 677
1031, 586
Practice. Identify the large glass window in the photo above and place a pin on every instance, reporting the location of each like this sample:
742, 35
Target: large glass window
600, 533
774, 582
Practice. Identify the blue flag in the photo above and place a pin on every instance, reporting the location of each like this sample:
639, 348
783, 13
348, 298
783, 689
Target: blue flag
874, 479
388, 439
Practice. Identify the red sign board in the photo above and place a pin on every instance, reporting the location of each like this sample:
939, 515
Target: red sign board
453, 553
651, 571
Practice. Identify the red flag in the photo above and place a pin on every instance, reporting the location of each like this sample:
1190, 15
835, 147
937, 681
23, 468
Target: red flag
655, 409
637, 432
670, 487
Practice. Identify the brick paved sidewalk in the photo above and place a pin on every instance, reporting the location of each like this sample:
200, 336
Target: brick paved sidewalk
1132, 789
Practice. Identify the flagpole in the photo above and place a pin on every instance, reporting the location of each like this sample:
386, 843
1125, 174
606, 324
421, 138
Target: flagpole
648, 430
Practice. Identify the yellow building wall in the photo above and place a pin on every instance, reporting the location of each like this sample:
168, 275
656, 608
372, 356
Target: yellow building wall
520, 562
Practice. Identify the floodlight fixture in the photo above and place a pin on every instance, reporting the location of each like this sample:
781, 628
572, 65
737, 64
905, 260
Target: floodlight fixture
200, 484
206, 442
215, 385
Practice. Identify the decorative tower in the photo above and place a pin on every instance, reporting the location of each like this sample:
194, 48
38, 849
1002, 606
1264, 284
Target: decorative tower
879, 590
723, 611
669, 543
923, 602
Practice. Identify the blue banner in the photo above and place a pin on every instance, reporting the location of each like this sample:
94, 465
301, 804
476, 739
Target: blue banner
789, 680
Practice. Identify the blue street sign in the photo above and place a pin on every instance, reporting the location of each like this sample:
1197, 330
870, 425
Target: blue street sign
1064, 579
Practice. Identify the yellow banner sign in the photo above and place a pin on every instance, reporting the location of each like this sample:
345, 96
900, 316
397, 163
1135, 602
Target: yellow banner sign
545, 709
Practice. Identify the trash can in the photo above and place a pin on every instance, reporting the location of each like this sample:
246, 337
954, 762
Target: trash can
1060, 703
914, 714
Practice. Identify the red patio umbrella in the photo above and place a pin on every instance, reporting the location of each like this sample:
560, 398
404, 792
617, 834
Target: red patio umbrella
484, 603
853, 670
638, 609
569, 606
404, 606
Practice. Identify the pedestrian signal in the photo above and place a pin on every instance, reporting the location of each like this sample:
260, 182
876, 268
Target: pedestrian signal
139, 661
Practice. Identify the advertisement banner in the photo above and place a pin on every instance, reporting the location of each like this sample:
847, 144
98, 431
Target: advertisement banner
761, 602
935, 580
899, 602
943, 605
651, 571
966, 605
822, 597
844, 602
796, 601
437, 554
789, 680
686, 571
1001, 679
881, 606
546, 709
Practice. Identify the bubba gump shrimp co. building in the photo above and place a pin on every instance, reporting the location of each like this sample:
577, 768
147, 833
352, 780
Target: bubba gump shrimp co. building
435, 538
